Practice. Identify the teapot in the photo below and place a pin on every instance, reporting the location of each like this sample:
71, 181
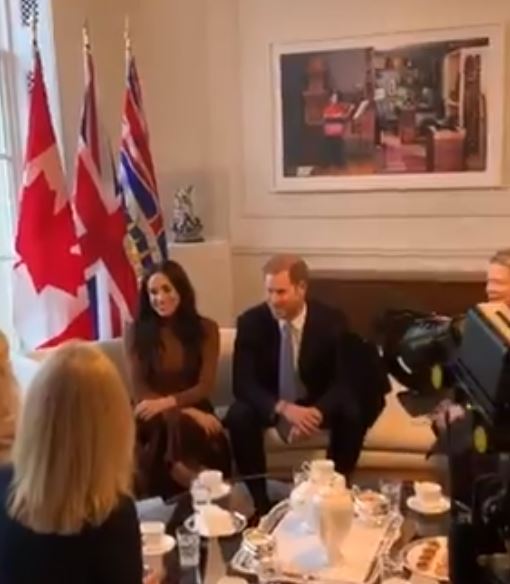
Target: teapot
325, 504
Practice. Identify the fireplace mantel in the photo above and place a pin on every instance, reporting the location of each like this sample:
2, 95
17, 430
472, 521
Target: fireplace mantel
364, 295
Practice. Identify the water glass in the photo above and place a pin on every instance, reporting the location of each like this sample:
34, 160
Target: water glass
391, 571
188, 543
392, 490
267, 566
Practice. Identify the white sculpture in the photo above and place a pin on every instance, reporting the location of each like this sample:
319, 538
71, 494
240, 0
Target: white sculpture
186, 226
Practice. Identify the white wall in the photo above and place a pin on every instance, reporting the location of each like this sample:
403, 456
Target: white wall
205, 68
171, 44
106, 28
443, 230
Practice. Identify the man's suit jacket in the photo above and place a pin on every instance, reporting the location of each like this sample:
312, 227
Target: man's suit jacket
329, 365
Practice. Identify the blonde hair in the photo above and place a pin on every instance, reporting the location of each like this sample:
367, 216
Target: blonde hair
501, 257
74, 449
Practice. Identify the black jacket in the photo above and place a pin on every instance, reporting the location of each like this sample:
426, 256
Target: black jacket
110, 553
343, 376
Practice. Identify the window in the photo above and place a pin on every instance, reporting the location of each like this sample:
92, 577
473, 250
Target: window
16, 61
9, 165
15, 67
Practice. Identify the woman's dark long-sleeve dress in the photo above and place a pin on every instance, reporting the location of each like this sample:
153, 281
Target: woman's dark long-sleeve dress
174, 436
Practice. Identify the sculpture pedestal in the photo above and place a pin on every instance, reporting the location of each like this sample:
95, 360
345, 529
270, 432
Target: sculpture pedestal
209, 267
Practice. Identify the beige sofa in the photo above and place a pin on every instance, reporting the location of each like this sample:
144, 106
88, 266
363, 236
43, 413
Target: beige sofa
395, 445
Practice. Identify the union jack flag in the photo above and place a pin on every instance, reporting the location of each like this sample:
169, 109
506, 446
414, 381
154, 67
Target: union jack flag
101, 222
137, 176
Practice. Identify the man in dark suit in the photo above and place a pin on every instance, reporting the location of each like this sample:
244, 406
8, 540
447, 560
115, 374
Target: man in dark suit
292, 368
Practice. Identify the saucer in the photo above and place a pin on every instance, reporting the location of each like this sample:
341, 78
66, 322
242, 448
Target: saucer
166, 545
237, 524
442, 506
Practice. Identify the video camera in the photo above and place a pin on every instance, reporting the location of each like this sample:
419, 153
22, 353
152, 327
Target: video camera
466, 358
431, 355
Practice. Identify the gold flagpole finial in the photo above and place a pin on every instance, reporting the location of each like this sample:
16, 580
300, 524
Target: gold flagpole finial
86, 36
127, 35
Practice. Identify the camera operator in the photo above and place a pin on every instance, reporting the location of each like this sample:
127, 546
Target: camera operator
452, 421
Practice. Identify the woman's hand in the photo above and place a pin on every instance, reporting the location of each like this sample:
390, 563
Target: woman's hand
210, 423
151, 578
148, 408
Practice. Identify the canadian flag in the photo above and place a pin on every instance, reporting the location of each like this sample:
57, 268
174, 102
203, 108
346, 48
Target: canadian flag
50, 302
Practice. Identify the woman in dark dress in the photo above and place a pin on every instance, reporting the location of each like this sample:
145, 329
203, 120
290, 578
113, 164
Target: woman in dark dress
173, 352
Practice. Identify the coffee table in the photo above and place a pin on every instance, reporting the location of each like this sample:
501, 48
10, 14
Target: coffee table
216, 553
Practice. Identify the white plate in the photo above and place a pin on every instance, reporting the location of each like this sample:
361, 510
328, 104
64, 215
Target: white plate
239, 523
442, 506
167, 544
412, 552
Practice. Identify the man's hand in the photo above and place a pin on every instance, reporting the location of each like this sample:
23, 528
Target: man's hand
148, 408
305, 420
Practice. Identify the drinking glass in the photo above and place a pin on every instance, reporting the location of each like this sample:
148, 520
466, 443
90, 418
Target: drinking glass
392, 490
391, 571
267, 566
188, 543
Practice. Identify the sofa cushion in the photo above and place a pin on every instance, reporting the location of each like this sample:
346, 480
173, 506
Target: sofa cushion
396, 430
382, 461
222, 395
393, 431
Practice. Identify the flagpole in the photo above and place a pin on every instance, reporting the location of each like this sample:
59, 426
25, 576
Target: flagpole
35, 46
127, 35
127, 43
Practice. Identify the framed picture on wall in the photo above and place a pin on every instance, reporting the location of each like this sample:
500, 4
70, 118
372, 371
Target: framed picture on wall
415, 110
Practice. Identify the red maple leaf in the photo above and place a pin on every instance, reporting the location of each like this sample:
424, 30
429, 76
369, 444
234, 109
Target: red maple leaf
45, 239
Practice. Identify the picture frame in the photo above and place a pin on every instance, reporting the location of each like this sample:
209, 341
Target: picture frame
413, 110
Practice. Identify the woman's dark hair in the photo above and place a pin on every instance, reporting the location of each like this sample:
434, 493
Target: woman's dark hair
186, 322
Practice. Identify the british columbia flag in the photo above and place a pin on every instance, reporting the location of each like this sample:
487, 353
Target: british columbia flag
137, 176
101, 222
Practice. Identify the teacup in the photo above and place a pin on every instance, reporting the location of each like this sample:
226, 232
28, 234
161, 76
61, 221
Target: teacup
152, 533
427, 493
211, 479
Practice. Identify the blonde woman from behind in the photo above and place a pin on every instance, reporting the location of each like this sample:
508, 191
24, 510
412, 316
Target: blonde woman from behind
66, 513
9, 401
